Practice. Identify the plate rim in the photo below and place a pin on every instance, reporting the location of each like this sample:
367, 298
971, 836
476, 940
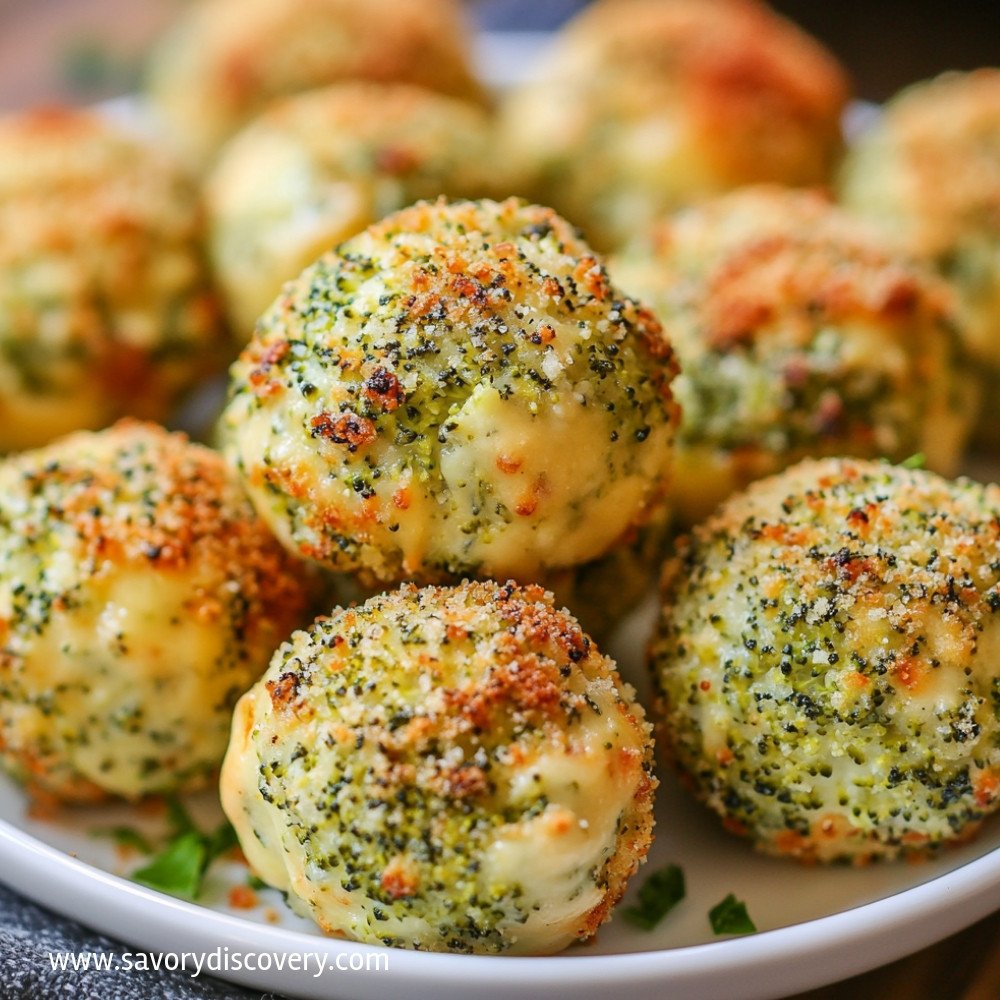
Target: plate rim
789, 959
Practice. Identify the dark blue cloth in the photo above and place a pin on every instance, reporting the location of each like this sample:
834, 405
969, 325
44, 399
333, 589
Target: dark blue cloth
29, 935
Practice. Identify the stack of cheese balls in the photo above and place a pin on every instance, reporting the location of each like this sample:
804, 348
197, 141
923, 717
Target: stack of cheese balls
445, 399
458, 390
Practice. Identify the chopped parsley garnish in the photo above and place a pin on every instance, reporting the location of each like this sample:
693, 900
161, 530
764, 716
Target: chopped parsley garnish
660, 893
731, 917
125, 836
181, 866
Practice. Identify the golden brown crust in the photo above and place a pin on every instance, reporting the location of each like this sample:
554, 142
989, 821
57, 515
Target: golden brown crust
225, 59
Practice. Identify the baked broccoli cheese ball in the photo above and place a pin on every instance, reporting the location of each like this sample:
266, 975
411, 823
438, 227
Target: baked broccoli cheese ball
929, 173
139, 598
224, 60
336, 160
457, 391
799, 334
827, 660
105, 306
646, 105
456, 769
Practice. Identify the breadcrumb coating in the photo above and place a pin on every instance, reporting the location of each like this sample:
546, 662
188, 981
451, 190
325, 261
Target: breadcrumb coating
827, 660
456, 769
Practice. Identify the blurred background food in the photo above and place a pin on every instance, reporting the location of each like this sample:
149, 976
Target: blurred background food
800, 332
643, 106
336, 160
60, 49
106, 304
928, 173
222, 61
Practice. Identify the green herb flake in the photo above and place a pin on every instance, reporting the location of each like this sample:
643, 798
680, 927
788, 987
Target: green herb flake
660, 893
125, 836
178, 870
731, 917
256, 883
917, 461
181, 866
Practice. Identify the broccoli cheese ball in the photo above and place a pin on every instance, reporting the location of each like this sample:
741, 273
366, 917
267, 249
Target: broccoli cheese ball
139, 598
827, 660
645, 105
799, 334
456, 769
105, 307
456, 391
929, 173
336, 160
225, 60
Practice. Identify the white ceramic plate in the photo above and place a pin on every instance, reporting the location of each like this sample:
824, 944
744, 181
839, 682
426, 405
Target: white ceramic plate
816, 925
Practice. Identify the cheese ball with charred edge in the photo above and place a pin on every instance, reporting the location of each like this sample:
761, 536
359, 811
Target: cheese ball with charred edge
106, 307
828, 665
223, 61
336, 160
646, 105
139, 598
457, 391
456, 769
800, 333
928, 172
